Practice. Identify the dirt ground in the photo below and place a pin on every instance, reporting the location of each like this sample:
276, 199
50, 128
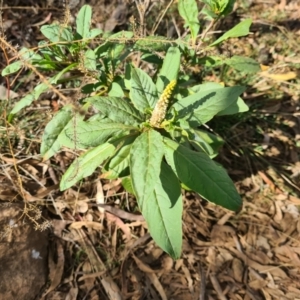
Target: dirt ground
92, 253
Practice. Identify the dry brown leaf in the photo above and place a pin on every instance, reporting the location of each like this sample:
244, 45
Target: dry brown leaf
87, 224
89, 281
58, 226
100, 196
279, 77
238, 269
56, 268
45, 191
274, 270
92, 275
259, 256
199, 225
81, 207
107, 282
60, 206
257, 284
114, 241
111, 288
4, 93
266, 294
267, 180
122, 214
278, 216
154, 280
124, 227
72, 294
167, 263
220, 233
217, 286
188, 278
112, 184
142, 266
264, 67
225, 218
288, 224
222, 257
276, 293
57, 295
289, 253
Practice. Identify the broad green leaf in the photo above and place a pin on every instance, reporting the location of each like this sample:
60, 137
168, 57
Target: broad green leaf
26, 54
54, 128
243, 64
202, 147
116, 90
237, 107
151, 43
94, 32
217, 8
89, 60
198, 172
117, 53
102, 49
121, 36
86, 164
152, 58
38, 90
145, 160
56, 33
206, 86
222, 100
228, 7
203, 106
214, 141
94, 133
143, 93
12, 68
83, 21
127, 184
188, 10
118, 166
169, 70
208, 142
211, 61
116, 109
28, 99
29, 54
55, 138
114, 50
91, 87
241, 29
162, 210
62, 72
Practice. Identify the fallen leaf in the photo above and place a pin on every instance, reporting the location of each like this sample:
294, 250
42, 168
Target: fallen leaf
280, 77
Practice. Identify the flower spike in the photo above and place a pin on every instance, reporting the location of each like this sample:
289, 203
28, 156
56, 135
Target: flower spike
160, 109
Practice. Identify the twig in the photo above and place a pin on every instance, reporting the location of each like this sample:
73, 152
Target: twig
217, 286
142, 7
203, 35
160, 18
203, 282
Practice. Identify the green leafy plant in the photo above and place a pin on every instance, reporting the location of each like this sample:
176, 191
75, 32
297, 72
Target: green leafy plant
147, 130
217, 8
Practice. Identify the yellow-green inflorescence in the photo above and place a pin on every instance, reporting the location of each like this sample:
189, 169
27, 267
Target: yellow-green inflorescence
160, 109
